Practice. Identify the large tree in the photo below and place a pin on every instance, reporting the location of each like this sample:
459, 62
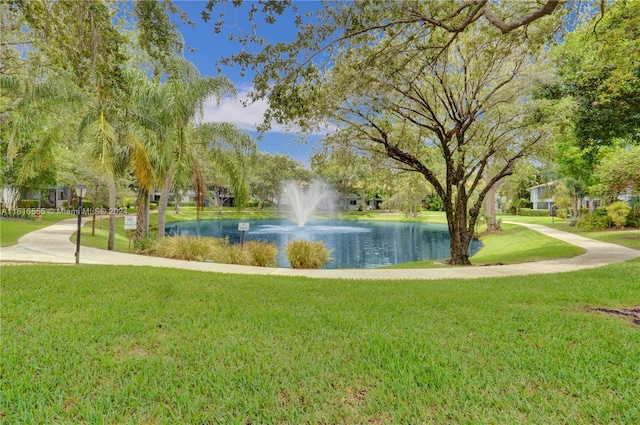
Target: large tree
599, 69
396, 85
269, 174
618, 172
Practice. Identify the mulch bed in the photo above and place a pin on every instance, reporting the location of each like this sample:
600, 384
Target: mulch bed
633, 313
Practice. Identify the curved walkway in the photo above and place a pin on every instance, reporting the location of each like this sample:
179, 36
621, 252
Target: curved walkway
52, 245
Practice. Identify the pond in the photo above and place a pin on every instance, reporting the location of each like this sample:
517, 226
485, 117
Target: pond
355, 244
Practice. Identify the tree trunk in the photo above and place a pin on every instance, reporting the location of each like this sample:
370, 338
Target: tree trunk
111, 244
459, 232
141, 217
490, 205
163, 203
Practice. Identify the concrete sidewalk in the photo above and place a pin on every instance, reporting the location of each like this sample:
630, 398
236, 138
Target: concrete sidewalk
52, 245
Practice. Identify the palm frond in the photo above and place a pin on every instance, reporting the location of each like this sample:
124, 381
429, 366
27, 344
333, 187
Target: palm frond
102, 142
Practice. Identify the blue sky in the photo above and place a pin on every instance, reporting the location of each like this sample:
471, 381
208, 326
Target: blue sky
210, 47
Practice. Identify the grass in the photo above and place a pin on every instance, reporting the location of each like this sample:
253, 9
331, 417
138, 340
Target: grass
522, 245
630, 239
513, 244
133, 345
13, 229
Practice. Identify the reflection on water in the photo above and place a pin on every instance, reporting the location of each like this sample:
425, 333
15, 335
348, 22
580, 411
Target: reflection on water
355, 244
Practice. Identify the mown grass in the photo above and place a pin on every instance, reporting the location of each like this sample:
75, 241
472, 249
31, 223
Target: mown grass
133, 345
512, 245
13, 229
521, 245
629, 238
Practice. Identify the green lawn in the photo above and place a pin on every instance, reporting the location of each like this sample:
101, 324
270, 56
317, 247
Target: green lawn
513, 244
13, 229
133, 345
630, 239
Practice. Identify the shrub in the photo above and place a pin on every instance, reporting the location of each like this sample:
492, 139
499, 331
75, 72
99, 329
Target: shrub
235, 255
261, 254
87, 207
618, 212
192, 248
435, 204
28, 203
307, 254
184, 248
590, 222
529, 212
633, 219
142, 245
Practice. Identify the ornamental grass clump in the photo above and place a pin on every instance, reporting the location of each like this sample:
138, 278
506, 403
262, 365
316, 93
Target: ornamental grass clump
254, 253
307, 254
261, 254
185, 248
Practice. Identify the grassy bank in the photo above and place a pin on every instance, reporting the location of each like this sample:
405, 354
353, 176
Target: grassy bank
512, 245
139, 345
13, 229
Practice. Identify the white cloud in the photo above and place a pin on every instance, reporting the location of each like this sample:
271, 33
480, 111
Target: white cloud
248, 118
232, 111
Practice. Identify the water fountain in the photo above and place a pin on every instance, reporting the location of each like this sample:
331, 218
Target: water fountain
304, 201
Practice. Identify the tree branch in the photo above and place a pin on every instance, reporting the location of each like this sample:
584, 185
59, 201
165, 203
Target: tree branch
504, 27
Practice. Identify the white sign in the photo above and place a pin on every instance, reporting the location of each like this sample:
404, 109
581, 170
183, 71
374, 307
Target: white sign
130, 222
243, 227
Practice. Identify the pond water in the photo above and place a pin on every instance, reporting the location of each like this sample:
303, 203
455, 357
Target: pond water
355, 244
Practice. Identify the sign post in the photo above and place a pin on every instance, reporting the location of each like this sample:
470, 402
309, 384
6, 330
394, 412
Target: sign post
553, 212
130, 222
243, 227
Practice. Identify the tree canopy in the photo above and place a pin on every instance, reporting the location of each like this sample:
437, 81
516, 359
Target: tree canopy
599, 68
387, 78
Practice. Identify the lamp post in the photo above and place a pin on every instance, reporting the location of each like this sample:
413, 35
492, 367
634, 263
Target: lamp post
81, 191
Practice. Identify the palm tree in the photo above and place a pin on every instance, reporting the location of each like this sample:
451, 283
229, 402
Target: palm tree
185, 93
102, 145
116, 139
35, 116
231, 152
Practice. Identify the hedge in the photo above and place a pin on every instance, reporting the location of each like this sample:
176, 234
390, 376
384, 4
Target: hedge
529, 212
28, 203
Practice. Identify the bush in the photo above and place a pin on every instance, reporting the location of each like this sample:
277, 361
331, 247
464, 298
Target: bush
618, 212
28, 203
142, 245
633, 219
261, 254
529, 212
590, 222
184, 248
87, 207
307, 254
192, 248
232, 254
435, 204
562, 213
